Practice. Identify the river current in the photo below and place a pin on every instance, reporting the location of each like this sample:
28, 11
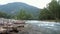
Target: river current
45, 27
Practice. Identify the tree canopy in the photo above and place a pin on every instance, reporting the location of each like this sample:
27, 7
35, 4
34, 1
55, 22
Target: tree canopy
52, 11
4, 15
23, 15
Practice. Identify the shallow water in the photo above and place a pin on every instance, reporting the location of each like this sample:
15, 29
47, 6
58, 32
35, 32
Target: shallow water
45, 27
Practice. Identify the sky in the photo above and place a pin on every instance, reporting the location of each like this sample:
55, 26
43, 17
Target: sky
36, 3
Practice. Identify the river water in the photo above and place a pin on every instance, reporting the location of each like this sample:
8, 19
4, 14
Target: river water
44, 27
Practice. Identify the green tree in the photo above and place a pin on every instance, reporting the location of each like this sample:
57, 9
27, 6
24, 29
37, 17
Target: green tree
4, 15
52, 11
54, 7
29, 16
23, 15
45, 14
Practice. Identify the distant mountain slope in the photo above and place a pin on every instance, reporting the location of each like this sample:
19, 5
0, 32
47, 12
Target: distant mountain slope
13, 8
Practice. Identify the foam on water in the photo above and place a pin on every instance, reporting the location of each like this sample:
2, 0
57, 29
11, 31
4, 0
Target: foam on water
46, 24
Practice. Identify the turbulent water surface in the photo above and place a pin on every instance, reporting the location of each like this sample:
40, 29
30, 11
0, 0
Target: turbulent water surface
43, 27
